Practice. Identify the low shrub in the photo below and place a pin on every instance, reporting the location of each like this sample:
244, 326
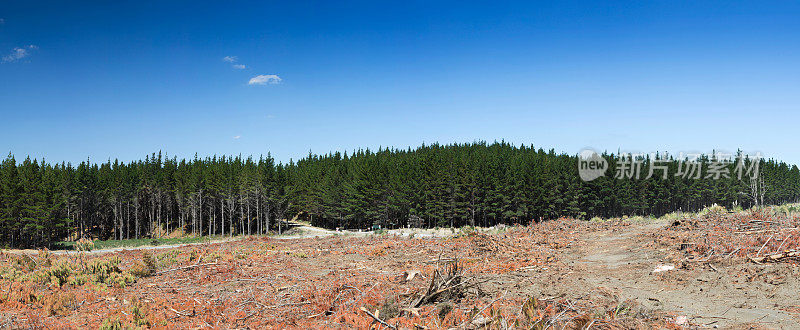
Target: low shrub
112, 324
146, 267
141, 314
59, 303
69, 271
713, 210
84, 245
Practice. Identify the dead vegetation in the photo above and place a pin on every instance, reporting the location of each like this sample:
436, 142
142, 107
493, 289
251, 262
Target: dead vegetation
758, 235
449, 283
519, 277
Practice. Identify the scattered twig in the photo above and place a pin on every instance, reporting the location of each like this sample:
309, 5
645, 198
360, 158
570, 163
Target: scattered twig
765, 244
483, 309
246, 317
184, 267
784, 242
289, 304
377, 318
179, 313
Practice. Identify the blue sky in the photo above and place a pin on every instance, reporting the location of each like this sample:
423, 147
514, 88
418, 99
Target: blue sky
123, 79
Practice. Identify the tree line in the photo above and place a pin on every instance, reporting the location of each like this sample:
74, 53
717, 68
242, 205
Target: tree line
478, 184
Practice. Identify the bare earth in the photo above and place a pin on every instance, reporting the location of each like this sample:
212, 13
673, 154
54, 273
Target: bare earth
581, 274
617, 260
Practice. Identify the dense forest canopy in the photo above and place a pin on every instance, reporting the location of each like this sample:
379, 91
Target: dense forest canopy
433, 185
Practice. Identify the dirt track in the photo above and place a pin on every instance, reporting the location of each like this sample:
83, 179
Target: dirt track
617, 262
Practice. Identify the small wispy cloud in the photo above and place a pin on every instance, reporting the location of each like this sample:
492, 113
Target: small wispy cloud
2, 21
234, 61
19, 53
236, 137
264, 79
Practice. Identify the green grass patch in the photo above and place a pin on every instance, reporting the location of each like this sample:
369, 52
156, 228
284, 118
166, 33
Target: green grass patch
128, 243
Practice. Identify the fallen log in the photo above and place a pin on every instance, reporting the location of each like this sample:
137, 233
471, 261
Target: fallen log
776, 256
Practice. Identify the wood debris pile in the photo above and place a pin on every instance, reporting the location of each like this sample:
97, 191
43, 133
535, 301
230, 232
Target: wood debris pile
757, 235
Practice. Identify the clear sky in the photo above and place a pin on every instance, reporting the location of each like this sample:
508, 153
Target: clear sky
123, 79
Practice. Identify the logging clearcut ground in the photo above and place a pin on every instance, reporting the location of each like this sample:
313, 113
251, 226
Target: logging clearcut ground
562, 273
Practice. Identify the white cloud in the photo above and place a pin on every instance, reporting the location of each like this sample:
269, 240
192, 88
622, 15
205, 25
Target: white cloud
264, 79
19, 53
233, 60
236, 137
2, 21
